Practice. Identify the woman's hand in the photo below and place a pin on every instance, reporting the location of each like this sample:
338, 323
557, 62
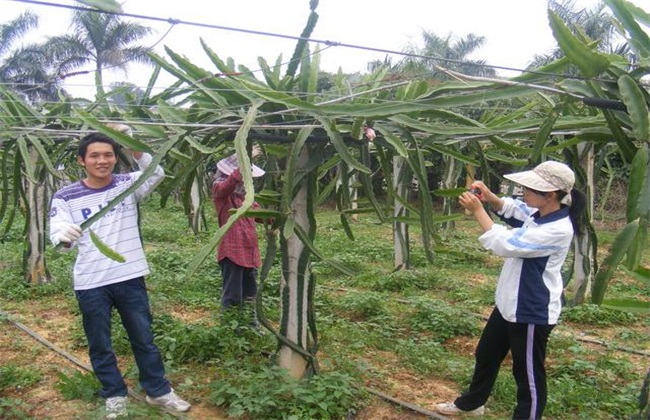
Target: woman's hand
470, 202
485, 195
473, 205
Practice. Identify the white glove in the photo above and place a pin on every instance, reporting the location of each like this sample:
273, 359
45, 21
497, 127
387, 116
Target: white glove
68, 233
122, 128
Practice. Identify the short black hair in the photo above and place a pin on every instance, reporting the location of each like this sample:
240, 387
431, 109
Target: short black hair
95, 138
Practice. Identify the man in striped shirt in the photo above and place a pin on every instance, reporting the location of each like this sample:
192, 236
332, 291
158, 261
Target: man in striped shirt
102, 283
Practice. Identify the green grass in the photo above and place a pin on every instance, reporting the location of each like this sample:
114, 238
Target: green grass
375, 327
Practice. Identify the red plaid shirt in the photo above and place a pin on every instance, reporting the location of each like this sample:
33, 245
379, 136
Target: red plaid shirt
239, 244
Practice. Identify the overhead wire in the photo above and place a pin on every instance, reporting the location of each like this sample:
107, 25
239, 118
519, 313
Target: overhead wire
326, 42
343, 98
385, 87
407, 78
270, 125
306, 39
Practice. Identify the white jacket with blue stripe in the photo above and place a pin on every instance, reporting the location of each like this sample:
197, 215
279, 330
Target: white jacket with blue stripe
530, 284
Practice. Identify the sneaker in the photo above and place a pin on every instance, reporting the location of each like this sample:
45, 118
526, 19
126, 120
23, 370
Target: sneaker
450, 409
115, 407
170, 400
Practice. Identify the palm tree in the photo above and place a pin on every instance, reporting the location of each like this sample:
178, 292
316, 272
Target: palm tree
24, 69
589, 24
99, 38
446, 53
125, 93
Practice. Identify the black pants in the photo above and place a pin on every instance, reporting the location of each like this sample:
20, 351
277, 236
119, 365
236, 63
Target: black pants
239, 284
527, 343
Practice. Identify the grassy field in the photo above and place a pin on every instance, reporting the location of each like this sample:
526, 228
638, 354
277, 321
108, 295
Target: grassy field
409, 334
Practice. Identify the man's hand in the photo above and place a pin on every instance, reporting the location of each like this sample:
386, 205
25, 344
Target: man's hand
68, 234
126, 130
122, 128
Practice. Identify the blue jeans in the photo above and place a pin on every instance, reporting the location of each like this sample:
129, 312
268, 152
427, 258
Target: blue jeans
132, 303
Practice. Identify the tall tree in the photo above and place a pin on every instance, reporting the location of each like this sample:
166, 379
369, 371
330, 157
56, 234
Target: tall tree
24, 68
447, 52
594, 24
102, 39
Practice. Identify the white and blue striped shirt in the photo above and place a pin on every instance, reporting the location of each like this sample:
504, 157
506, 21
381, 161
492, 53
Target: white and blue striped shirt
118, 228
530, 285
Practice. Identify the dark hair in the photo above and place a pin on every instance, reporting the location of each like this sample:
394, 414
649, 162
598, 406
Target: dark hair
577, 210
95, 138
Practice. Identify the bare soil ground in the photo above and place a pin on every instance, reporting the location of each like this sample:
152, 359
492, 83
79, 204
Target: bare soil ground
54, 323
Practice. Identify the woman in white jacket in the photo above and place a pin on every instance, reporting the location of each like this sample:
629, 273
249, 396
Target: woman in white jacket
529, 290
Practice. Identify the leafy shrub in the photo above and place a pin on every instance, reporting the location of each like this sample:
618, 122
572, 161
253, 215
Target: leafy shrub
365, 305
55, 287
504, 392
202, 291
167, 224
168, 260
119, 337
402, 280
597, 315
14, 408
615, 368
271, 393
12, 286
575, 368
442, 320
424, 356
468, 252
181, 342
16, 377
632, 335
570, 396
373, 250
79, 385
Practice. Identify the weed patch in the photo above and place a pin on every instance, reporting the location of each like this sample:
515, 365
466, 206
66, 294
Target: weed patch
597, 315
270, 393
377, 328
17, 377
78, 385
441, 320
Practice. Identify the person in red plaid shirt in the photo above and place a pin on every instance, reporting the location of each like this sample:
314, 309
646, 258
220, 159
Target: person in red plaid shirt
238, 253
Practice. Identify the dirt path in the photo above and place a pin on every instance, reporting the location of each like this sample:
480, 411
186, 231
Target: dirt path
54, 322
19, 349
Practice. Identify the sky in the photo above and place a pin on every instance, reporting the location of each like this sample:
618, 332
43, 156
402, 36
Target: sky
515, 30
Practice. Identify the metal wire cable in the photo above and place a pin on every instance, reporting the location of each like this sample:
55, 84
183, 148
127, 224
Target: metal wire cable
299, 38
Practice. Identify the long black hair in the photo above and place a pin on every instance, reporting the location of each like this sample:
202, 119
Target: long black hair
577, 210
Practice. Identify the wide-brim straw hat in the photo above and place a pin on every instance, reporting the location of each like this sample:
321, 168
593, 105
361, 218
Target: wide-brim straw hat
229, 164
